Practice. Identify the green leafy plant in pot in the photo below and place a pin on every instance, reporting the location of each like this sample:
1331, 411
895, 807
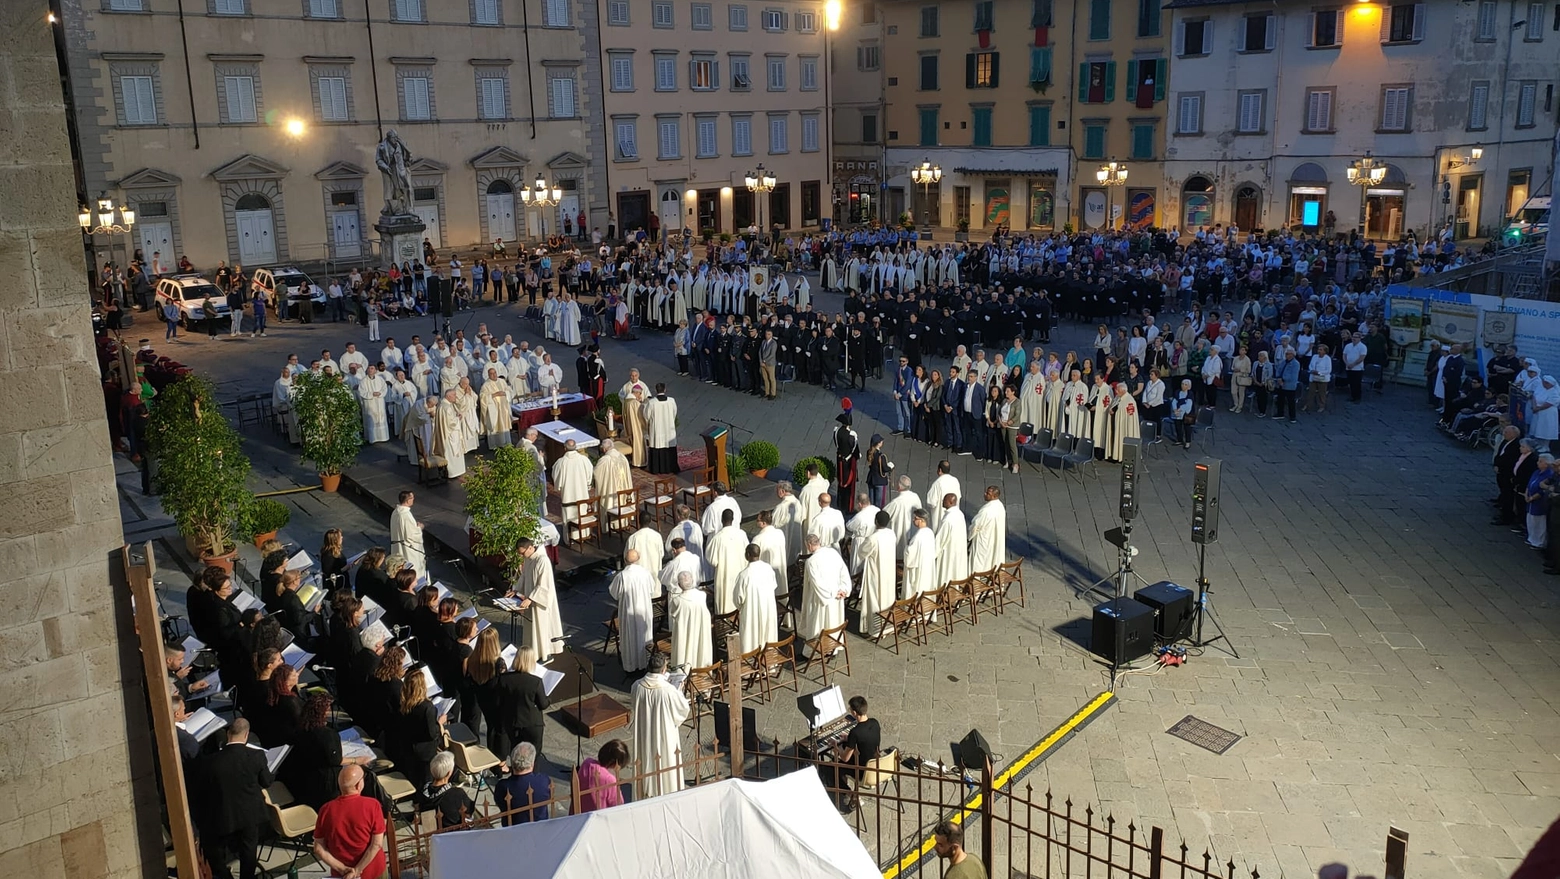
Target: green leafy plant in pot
201, 467
759, 456
330, 423
263, 519
799, 469
504, 497
609, 428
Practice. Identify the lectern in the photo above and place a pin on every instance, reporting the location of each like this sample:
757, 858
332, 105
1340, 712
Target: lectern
715, 450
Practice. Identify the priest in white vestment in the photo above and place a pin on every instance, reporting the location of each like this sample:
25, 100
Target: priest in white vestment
613, 475
449, 376
538, 602
788, 517
406, 534
1075, 406
424, 376
816, 485
860, 527
725, 551
901, 510
756, 590
569, 321
418, 424
400, 399
371, 393
1124, 423
1031, 397
945, 484
518, 372
683, 561
772, 549
692, 535
828, 524
877, 576
711, 520
657, 711
988, 534
497, 419
572, 475
634, 588
450, 435
953, 557
649, 550
282, 403
920, 576
661, 437
470, 422
824, 589
688, 614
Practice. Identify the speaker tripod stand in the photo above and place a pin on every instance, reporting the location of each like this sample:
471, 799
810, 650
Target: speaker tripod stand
1203, 610
1121, 538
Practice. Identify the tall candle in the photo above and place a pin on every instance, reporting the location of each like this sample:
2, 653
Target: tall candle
610, 424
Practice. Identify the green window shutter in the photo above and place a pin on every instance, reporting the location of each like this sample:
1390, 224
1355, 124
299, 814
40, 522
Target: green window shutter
1161, 73
1142, 141
1083, 83
928, 128
1110, 81
1039, 126
1132, 78
969, 70
982, 126
1099, 19
1094, 142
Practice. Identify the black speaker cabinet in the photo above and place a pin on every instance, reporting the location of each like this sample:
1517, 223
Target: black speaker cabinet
1123, 630
1205, 501
1130, 449
1172, 605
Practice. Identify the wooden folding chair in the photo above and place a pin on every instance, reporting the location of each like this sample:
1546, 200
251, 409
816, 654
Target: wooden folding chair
662, 500
822, 650
1009, 575
702, 687
954, 595
701, 492
721, 626
428, 473
613, 642
983, 588
582, 521
751, 666
623, 511
900, 617
777, 656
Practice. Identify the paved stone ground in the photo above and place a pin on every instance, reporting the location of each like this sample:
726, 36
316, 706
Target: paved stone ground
1396, 654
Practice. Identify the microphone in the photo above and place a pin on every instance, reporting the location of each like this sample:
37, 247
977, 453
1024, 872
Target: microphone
560, 639
323, 667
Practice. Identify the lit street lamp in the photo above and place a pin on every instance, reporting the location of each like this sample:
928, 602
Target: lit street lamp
1112, 174
1365, 173
106, 216
760, 182
925, 175
542, 196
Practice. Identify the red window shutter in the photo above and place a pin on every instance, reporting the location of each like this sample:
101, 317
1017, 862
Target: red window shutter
1042, 37
985, 39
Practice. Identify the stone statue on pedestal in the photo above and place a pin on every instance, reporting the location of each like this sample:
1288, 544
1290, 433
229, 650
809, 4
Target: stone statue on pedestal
394, 161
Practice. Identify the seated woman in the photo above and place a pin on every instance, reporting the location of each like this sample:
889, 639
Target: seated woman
449, 802
598, 777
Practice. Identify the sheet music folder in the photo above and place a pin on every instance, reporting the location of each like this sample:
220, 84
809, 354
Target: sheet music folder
822, 707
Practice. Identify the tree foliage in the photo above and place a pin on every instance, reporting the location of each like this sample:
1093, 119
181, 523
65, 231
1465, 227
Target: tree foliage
504, 498
201, 466
330, 422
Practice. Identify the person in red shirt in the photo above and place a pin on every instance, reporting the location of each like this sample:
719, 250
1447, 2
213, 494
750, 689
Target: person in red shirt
349, 837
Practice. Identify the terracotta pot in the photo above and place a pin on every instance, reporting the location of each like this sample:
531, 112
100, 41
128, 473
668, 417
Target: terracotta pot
331, 482
223, 561
761, 473
260, 539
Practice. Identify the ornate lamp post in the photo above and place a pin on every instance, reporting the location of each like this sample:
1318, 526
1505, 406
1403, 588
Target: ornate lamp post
1113, 173
107, 214
926, 175
541, 195
1365, 173
760, 182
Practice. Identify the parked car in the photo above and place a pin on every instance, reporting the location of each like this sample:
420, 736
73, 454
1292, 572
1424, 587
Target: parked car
190, 292
295, 282
1530, 221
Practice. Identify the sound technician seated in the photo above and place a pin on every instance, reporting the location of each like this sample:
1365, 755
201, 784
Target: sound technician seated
862, 743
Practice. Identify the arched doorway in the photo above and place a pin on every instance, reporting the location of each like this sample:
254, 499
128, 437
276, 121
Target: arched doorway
670, 209
1308, 197
256, 229
1196, 203
1248, 207
1385, 206
500, 200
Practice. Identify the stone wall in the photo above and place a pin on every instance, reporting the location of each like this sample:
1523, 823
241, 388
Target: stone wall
70, 693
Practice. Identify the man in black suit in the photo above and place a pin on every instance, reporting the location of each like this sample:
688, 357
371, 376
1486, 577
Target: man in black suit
1506, 454
228, 789
1451, 382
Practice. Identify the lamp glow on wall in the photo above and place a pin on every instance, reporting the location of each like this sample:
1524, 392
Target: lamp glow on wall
1474, 155
831, 14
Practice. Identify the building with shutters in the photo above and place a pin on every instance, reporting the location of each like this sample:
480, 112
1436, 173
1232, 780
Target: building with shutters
698, 95
1270, 104
1019, 102
245, 130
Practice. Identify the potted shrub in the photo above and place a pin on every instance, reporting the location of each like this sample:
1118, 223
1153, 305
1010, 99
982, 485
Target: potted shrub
964, 230
504, 495
264, 518
759, 456
201, 467
614, 404
330, 423
799, 469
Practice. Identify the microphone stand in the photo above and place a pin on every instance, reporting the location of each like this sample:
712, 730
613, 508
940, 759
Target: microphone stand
579, 699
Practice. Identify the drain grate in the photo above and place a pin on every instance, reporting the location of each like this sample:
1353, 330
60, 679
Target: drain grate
1204, 734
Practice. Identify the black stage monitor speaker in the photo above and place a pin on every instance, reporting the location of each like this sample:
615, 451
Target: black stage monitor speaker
972, 752
1123, 630
1172, 605
749, 727
1130, 447
1205, 501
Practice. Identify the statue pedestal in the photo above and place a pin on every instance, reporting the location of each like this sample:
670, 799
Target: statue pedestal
400, 237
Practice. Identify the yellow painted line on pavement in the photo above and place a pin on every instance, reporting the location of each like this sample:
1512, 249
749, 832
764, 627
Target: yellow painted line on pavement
1008, 776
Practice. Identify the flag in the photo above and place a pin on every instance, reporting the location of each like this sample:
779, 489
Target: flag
758, 281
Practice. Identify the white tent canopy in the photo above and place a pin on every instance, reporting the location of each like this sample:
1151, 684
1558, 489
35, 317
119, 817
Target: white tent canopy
732, 829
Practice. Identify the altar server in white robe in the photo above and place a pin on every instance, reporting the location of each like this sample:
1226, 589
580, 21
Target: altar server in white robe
988, 534
550, 317
953, 557
406, 534
828, 524
945, 483
688, 613
901, 511
613, 475
683, 561
497, 419
815, 486
657, 712
538, 596
648, 551
920, 577
788, 517
282, 403
756, 588
573, 476
824, 588
371, 393
877, 576
772, 548
711, 520
725, 552
634, 588
860, 527
661, 437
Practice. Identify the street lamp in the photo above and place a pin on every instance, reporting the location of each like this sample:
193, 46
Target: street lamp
925, 175
1365, 173
542, 196
760, 182
1112, 173
106, 216
832, 12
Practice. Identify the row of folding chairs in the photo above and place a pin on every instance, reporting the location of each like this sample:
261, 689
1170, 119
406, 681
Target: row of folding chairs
956, 601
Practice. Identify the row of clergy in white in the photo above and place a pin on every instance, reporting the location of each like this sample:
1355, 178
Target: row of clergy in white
750, 575
561, 318
1067, 405
667, 299
879, 271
